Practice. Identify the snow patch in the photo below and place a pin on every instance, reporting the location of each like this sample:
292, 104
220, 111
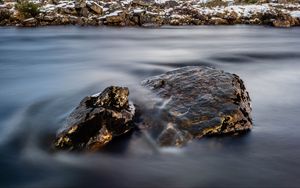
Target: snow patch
126, 2
138, 11
95, 95
295, 14
160, 1
116, 13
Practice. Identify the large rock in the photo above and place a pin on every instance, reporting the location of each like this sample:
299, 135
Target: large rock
97, 120
195, 102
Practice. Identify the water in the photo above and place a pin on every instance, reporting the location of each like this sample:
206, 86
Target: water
45, 72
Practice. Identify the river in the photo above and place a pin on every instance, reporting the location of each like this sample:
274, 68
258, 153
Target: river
45, 72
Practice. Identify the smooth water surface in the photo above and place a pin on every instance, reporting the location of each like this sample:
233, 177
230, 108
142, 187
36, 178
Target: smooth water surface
45, 72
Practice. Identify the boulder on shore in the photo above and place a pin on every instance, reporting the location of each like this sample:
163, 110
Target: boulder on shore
197, 101
97, 120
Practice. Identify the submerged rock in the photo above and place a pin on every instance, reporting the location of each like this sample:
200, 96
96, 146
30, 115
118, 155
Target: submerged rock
97, 120
198, 101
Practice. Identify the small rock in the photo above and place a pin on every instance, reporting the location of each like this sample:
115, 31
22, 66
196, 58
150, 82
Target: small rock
231, 17
80, 3
196, 22
97, 120
65, 20
255, 21
95, 7
171, 4
84, 12
116, 18
48, 18
281, 23
114, 6
73, 19
218, 21
30, 22
144, 18
67, 10
175, 22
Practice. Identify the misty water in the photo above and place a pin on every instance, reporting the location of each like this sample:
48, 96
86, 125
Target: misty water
45, 72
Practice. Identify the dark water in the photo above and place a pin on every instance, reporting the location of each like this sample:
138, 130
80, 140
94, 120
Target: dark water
45, 72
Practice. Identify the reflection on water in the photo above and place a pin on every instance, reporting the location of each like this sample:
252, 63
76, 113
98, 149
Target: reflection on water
45, 72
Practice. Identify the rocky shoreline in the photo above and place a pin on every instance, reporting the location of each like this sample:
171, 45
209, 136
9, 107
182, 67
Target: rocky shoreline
150, 13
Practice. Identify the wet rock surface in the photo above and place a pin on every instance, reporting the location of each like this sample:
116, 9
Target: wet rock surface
97, 120
197, 102
186, 103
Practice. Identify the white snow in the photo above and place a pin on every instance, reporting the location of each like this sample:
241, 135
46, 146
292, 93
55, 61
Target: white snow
241, 10
62, 5
65, 4
295, 14
247, 10
90, 2
204, 1
160, 1
35, 1
29, 19
105, 9
176, 16
96, 94
151, 13
138, 10
126, 2
116, 13
48, 8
